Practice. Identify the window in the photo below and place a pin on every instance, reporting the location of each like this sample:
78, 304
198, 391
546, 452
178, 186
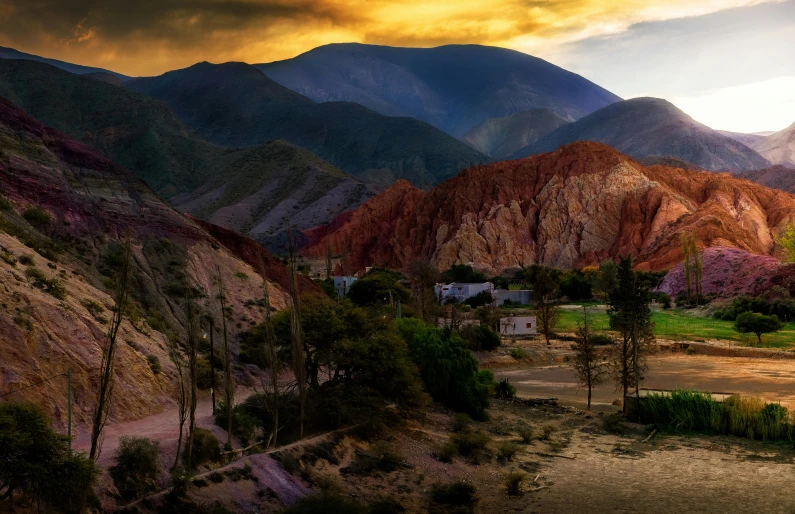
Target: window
529, 325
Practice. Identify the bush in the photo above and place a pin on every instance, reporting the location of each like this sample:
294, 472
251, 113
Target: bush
505, 390
154, 364
480, 299
526, 433
662, 298
547, 431
5, 205
325, 503
206, 448
481, 338
748, 417
513, 482
472, 445
38, 217
601, 340
518, 353
447, 452
136, 466
53, 286
455, 494
461, 422
506, 450
244, 425
381, 456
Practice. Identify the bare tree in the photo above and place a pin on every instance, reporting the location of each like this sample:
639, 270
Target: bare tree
272, 396
588, 368
192, 346
546, 294
107, 371
228, 383
328, 257
423, 275
182, 395
296, 332
683, 240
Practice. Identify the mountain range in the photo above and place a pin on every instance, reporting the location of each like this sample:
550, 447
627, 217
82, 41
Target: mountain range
647, 127
453, 87
10, 53
144, 136
779, 147
501, 137
575, 206
234, 104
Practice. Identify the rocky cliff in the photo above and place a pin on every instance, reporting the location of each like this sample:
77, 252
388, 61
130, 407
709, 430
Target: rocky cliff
63, 211
575, 206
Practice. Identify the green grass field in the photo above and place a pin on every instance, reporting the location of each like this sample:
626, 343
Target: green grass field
678, 324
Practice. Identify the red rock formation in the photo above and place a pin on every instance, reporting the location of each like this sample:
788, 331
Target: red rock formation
730, 272
571, 207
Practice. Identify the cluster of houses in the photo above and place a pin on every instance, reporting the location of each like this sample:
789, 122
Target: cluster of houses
459, 292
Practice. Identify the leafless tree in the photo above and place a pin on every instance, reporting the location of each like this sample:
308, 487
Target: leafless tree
272, 396
182, 394
296, 332
546, 295
192, 347
228, 382
107, 368
588, 367
423, 275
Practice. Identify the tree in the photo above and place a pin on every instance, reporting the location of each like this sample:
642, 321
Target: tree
447, 367
106, 369
35, 461
605, 279
786, 239
546, 294
274, 365
135, 468
588, 368
229, 386
755, 323
191, 347
296, 331
182, 396
693, 265
462, 273
377, 287
629, 311
423, 275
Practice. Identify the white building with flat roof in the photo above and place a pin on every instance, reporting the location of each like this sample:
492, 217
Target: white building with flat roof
518, 326
461, 291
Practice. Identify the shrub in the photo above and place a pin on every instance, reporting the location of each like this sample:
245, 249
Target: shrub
518, 353
547, 431
601, 340
461, 422
38, 217
507, 449
206, 448
53, 286
662, 298
526, 433
136, 466
473, 445
505, 390
481, 338
325, 503
241, 275
5, 205
513, 482
480, 299
7, 257
748, 417
244, 425
26, 260
447, 452
154, 364
455, 494
381, 456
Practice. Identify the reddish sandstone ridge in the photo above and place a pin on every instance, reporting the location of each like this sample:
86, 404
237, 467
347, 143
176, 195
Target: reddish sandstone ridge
730, 272
571, 207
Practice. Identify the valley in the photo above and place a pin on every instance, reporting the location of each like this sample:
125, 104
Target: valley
335, 259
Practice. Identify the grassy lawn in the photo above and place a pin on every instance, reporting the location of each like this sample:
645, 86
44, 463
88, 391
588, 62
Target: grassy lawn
678, 324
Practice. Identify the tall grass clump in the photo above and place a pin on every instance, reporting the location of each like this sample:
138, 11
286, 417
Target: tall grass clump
742, 416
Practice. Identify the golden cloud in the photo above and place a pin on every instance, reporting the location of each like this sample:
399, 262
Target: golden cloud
158, 35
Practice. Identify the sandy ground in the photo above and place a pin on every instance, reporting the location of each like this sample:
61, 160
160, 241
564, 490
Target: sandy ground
772, 379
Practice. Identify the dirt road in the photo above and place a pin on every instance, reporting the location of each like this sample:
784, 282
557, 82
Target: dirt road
772, 379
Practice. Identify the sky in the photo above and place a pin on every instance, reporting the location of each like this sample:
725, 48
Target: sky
727, 63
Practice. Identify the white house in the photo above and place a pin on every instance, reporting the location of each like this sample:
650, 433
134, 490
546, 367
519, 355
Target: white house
515, 296
343, 284
460, 291
518, 326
